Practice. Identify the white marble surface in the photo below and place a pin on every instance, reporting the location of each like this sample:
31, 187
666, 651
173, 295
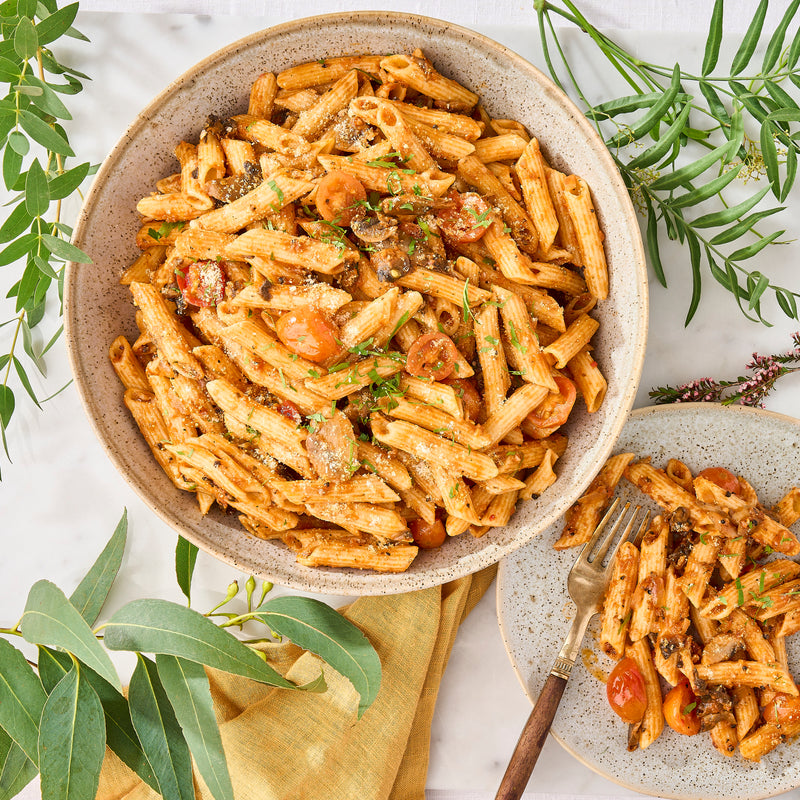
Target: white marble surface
60, 498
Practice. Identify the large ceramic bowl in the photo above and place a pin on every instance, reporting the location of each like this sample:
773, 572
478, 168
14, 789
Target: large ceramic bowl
97, 308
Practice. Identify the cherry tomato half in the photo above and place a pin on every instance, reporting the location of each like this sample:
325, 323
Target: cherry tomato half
337, 195
554, 410
465, 390
308, 333
465, 218
782, 708
625, 691
202, 284
427, 536
724, 478
680, 710
432, 356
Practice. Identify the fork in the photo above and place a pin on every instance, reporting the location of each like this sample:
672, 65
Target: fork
586, 585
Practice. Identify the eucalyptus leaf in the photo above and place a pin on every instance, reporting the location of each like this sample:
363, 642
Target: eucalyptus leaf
16, 222
61, 249
185, 559
9, 71
23, 378
72, 740
750, 39
16, 769
57, 24
19, 143
47, 100
159, 732
120, 734
711, 54
51, 619
12, 165
45, 135
6, 410
22, 698
317, 627
27, 285
186, 684
65, 184
37, 195
25, 38
91, 593
52, 665
159, 626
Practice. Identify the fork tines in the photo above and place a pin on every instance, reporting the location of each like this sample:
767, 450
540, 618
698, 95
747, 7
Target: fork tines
602, 550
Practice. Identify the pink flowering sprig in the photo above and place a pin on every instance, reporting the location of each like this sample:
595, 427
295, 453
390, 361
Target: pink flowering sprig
749, 390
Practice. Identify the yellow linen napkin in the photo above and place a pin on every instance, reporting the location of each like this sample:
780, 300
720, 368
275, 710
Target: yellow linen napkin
285, 745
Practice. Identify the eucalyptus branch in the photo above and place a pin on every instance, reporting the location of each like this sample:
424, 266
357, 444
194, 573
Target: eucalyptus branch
52, 710
35, 147
666, 187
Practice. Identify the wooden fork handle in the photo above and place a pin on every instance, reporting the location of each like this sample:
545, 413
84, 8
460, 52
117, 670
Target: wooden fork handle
531, 740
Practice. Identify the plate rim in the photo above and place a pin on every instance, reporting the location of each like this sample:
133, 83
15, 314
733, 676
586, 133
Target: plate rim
358, 582
712, 408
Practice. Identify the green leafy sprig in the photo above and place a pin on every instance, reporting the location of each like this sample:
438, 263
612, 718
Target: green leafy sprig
671, 114
58, 714
36, 150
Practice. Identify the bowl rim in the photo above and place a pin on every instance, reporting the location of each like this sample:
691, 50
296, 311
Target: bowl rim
365, 582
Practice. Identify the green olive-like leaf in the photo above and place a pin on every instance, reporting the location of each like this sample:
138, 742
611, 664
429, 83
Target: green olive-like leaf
760, 283
786, 301
159, 626
775, 45
315, 626
22, 698
731, 214
185, 559
159, 732
750, 39
715, 104
791, 173
793, 52
748, 252
186, 685
91, 593
702, 193
50, 619
743, 226
652, 244
711, 54
72, 740
769, 153
680, 177
656, 152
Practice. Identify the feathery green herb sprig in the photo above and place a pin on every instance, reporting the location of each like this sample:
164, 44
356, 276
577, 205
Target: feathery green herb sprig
34, 165
676, 108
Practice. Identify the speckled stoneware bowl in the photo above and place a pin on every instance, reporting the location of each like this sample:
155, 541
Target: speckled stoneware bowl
535, 612
98, 308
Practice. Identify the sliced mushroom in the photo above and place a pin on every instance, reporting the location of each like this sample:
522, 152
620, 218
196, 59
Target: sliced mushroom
373, 229
723, 647
391, 263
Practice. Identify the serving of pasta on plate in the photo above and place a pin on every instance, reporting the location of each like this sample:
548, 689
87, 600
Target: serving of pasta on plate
364, 311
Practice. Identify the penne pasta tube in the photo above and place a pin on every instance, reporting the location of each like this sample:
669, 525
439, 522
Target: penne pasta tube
128, 368
747, 673
653, 722
418, 73
359, 489
425, 445
262, 96
326, 70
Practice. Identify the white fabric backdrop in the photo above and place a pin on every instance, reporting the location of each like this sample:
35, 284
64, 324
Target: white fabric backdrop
648, 15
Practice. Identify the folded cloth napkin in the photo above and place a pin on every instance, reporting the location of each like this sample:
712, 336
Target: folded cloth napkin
285, 745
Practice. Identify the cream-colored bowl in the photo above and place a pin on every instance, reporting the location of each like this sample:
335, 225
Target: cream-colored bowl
97, 308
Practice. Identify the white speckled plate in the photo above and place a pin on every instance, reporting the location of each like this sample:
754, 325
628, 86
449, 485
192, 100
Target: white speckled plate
97, 308
535, 612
